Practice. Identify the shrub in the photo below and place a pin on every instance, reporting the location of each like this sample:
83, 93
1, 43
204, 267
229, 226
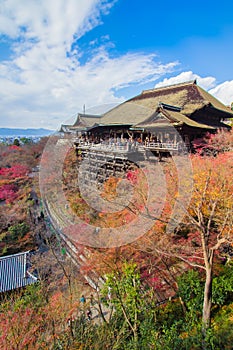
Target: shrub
18, 230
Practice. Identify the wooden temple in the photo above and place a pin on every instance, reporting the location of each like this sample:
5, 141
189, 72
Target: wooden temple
162, 121
156, 114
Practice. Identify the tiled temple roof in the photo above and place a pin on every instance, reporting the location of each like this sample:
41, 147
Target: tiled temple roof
188, 97
191, 105
84, 121
14, 273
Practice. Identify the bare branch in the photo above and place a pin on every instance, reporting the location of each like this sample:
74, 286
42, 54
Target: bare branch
181, 258
218, 244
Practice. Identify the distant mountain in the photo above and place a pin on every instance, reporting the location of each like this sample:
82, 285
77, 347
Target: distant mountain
25, 132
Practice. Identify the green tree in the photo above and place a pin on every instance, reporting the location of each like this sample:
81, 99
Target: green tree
26, 140
16, 142
124, 291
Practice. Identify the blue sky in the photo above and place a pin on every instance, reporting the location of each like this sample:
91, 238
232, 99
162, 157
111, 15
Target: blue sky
56, 56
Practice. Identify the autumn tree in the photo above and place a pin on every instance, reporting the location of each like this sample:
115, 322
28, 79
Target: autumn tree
206, 227
211, 214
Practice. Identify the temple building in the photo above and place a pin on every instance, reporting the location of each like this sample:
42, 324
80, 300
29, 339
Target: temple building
185, 107
157, 119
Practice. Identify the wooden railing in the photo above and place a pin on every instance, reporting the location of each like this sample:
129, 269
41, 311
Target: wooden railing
129, 146
170, 146
109, 147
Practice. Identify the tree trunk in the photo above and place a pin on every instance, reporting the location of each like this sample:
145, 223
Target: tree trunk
207, 299
207, 302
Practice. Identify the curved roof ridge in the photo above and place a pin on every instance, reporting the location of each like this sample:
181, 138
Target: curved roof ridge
190, 82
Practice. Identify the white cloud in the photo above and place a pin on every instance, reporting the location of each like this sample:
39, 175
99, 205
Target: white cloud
47, 79
206, 83
224, 92
51, 22
45, 82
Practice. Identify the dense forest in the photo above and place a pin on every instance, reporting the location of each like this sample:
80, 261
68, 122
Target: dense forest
162, 291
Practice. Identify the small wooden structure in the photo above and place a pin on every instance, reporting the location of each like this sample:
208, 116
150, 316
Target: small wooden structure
14, 272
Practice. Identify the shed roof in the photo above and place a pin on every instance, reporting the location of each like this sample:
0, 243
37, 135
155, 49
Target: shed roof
14, 273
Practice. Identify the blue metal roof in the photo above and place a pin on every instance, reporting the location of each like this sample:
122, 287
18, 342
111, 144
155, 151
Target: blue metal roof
13, 272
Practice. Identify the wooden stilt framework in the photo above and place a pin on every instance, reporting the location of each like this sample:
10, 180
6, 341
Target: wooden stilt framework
101, 163
102, 160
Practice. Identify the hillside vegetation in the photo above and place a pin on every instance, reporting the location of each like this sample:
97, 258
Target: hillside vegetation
163, 291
